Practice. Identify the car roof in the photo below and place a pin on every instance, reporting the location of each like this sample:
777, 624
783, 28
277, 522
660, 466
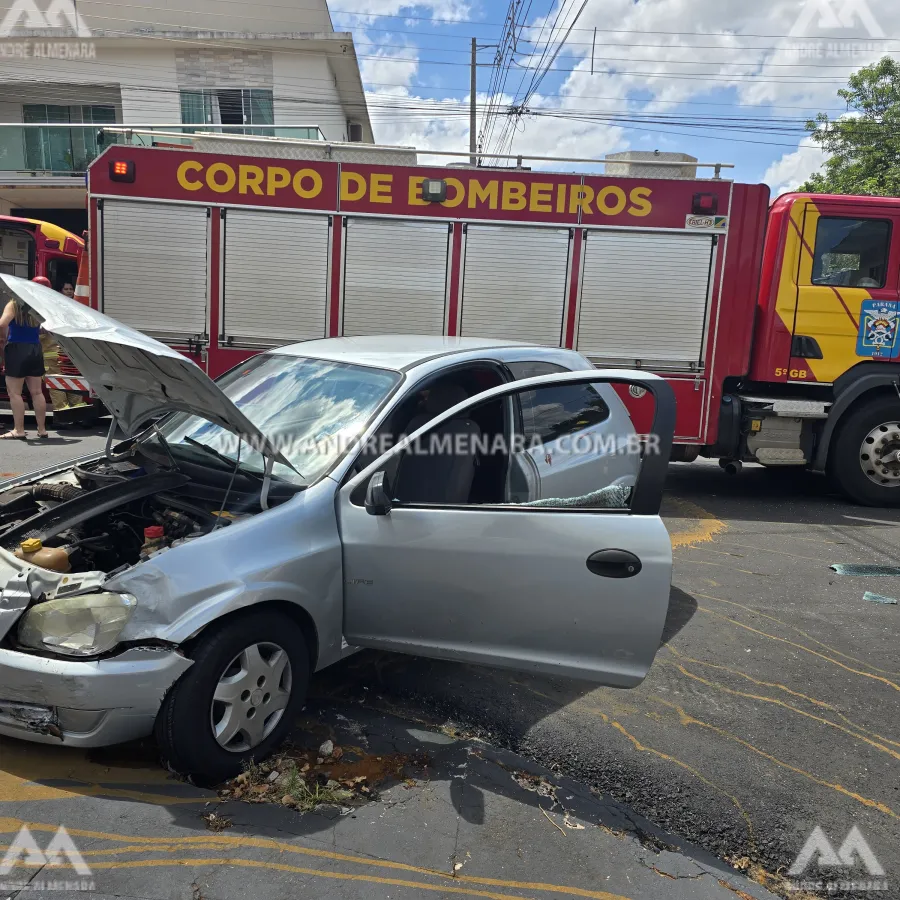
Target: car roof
392, 351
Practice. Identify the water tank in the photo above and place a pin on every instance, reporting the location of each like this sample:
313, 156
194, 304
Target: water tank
653, 164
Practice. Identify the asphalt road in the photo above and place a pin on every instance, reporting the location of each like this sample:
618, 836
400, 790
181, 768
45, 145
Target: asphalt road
773, 704
17, 457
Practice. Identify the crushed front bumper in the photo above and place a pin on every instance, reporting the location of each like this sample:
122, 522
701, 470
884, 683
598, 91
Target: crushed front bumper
85, 703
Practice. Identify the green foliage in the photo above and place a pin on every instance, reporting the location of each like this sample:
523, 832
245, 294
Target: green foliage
308, 795
865, 143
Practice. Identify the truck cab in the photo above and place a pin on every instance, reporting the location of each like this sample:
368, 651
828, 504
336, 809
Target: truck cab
825, 353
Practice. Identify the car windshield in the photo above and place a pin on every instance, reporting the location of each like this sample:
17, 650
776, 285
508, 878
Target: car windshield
309, 409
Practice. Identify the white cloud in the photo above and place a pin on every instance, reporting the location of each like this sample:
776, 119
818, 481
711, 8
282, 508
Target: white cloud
361, 12
666, 52
789, 172
392, 72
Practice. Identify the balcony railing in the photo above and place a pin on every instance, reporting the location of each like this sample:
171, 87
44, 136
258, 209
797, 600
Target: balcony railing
59, 150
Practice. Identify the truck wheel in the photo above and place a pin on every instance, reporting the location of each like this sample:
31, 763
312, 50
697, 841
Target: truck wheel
864, 461
239, 699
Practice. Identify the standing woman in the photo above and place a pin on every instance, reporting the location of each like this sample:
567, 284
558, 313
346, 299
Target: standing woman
20, 337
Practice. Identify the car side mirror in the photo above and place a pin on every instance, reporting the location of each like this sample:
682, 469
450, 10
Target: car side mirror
378, 495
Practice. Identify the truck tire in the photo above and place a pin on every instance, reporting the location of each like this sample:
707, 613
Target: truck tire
239, 699
856, 457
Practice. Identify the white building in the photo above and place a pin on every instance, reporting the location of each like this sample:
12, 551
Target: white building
282, 71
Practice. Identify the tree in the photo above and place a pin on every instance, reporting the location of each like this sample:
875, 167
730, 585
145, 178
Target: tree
865, 142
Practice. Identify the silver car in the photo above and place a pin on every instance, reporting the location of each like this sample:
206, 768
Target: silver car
464, 499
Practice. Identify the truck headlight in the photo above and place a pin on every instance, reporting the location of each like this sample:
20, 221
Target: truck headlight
77, 626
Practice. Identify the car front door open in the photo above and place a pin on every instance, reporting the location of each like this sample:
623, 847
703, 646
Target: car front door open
457, 566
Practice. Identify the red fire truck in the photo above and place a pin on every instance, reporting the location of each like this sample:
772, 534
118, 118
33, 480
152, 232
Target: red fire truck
776, 327
31, 248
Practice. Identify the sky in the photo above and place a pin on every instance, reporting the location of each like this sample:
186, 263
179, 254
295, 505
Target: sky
729, 81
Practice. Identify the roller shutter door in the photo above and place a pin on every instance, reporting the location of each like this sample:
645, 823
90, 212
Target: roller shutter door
395, 277
154, 267
276, 277
514, 285
644, 296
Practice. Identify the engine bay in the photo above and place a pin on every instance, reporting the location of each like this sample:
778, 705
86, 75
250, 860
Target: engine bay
109, 514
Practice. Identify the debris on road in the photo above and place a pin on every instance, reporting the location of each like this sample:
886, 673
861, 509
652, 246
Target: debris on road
879, 598
862, 570
215, 822
304, 779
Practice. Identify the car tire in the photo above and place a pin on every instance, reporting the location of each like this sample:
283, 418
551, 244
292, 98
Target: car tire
185, 725
848, 454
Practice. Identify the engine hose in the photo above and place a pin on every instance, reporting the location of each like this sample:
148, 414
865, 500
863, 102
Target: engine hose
60, 492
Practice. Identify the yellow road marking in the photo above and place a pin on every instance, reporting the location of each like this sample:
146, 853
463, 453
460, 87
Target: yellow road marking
775, 637
705, 530
299, 870
797, 537
687, 719
12, 826
809, 637
781, 687
704, 562
25, 766
644, 748
765, 550
775, 701
582, 704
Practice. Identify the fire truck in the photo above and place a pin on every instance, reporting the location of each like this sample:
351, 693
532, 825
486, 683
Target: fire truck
776, 326
30, 248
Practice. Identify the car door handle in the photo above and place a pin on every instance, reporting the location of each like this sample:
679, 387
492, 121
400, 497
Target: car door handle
614, 564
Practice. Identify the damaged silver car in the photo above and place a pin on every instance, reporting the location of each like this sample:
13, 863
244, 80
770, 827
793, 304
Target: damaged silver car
463, 499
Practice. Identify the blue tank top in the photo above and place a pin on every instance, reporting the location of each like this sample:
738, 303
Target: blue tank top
24, 334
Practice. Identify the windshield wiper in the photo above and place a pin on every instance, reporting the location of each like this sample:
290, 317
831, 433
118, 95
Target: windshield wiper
221, 456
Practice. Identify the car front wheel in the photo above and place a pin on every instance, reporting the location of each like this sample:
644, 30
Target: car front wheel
238, 700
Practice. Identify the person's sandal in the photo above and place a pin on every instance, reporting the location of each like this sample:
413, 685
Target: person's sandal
12, 436
43, 437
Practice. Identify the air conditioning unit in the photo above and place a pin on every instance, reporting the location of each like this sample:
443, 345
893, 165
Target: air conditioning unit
354, 132
13, 248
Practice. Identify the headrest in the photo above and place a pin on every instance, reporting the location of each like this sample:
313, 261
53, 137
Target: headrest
442, 397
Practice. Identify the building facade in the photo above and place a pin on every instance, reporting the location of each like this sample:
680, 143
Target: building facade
70, 67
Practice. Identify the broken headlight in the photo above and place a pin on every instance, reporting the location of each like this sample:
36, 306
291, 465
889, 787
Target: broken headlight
77, 626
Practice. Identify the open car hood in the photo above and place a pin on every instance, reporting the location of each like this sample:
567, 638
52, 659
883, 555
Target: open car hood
137, 377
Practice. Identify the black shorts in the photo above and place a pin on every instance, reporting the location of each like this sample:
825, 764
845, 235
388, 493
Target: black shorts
24, 360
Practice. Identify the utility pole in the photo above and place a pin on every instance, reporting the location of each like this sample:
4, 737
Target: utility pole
473, 87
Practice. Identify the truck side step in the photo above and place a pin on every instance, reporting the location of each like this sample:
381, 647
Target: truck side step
793, 409
780, 456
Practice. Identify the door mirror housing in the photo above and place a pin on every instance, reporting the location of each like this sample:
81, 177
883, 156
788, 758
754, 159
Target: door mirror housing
378, 495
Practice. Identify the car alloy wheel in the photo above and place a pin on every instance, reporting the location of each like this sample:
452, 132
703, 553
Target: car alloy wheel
251, 696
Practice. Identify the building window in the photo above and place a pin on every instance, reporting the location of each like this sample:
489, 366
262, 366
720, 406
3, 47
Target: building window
63, 149
230, 107
852, 252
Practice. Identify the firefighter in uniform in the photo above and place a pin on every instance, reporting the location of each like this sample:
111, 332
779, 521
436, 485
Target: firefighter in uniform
58, 399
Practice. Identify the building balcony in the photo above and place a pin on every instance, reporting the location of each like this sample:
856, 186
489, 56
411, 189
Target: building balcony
58, 155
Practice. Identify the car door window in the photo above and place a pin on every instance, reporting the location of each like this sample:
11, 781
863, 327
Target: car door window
534, 369
561, 446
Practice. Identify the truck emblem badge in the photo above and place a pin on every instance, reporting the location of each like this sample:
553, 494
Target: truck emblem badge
877, 329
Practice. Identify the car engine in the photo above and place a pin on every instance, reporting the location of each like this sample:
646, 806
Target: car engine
106, 515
